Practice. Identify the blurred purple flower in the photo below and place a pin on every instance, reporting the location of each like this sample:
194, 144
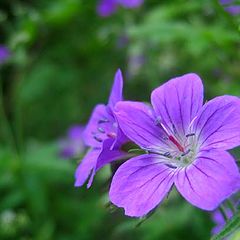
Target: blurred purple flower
233, 10
4, 54
223, 2
230, 6
218, 218
106, 8
72, 145
130, 3
186, 145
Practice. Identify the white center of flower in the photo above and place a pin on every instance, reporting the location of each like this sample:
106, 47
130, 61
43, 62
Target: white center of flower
179, 151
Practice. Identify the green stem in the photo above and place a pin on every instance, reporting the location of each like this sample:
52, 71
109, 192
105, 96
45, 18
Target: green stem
222, 211
231, 205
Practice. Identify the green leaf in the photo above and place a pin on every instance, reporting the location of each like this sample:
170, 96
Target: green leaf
231, 226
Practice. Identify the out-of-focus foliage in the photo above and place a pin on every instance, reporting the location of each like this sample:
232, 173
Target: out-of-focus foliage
63, 59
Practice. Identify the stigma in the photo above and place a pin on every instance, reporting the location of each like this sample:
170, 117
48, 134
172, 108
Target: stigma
176, 143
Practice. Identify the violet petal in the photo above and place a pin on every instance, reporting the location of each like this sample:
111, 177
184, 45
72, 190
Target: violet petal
117, 88
106, 155
178, 101
140, 184
138, 124
86, 166
218, 123
209, 180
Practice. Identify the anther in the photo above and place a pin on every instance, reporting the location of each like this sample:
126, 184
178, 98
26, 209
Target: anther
103, 120
186, 153
101, 130
174, 128
190, 135
158, 121
97, 138
167, 154
170, 165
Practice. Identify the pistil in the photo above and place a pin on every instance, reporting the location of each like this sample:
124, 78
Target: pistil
176, 143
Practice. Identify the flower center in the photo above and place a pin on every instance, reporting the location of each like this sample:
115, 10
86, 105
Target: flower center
182, 153
180, 150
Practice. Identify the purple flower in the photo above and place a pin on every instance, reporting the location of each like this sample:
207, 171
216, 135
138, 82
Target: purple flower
230, 7
219, 220
106, 8
185, 143
233, 10
223, 2
130, 3
103, 136
4, 54
73, 145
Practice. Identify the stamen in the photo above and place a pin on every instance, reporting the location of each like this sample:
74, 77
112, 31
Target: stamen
112, 135
158, 121
176, 143
167, 154
97, 138
170, 165
174, 129
103, 120
190, 135
101, 130
186, 153
165, 129
191, 124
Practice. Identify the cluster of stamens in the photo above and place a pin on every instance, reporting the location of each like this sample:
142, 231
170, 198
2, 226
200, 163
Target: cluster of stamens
105, 129
179, 150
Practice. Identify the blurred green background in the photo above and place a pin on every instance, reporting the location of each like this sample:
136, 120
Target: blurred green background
63, 59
